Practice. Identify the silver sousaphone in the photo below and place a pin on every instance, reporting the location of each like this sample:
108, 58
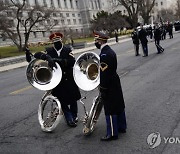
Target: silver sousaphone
87, 76
87, 71
42, 77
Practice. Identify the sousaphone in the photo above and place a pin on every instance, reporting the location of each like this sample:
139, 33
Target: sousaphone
87, 76
87, 71
42, 77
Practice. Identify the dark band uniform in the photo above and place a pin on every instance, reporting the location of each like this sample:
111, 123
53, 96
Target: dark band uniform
110, 86
157, 38
144, 41
66, 91
135, 39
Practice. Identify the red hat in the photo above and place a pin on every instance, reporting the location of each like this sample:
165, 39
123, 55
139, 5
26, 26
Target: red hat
54, 37
100, 35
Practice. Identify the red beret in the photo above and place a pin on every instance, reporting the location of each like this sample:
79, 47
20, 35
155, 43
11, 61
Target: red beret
56, 36
100, 35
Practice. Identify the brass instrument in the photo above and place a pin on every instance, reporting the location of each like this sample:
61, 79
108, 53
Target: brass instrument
87, 71
42, 77
87, 76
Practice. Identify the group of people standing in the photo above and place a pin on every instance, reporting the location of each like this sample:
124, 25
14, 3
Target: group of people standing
110, 91
157, 32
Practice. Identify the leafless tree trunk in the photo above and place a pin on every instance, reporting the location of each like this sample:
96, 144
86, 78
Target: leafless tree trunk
145, 7
132, 8
178, 9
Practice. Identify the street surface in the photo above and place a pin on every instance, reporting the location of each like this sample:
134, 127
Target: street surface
151, 87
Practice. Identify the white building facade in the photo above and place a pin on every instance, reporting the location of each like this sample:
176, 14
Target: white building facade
74, 15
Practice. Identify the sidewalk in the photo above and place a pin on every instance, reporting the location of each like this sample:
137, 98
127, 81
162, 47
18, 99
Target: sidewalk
20, 61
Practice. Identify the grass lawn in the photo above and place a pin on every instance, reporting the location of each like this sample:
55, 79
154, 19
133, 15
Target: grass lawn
88, 39
10, 51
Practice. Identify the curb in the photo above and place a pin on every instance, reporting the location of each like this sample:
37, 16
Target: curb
12, 60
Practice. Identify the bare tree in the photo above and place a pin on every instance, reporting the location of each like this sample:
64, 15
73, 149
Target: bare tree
132, 8
178, 9
20, 18
145, 7
166, 15
135, 8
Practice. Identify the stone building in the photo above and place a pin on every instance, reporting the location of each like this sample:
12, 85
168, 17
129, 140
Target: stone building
73, 16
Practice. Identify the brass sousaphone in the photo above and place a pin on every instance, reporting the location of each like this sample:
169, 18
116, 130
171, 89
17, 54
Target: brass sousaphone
42, 77
87, 76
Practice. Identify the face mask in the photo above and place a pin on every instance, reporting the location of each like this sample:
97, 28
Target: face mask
58, 45
97, 45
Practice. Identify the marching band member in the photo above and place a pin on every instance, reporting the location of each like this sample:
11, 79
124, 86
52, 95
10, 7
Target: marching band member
110, 89
157, 38
66, 91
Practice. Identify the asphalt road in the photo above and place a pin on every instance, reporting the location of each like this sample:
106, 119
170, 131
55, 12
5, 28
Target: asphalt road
151, 87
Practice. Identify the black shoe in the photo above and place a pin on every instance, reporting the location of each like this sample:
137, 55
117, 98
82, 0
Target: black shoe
145, 56
122, 131
109, 138
71, 123
158, 52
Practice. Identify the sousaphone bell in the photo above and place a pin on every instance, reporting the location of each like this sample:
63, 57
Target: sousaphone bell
86, 71
41, 76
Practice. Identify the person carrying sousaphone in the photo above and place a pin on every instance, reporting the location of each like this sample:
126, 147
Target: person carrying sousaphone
66, 91
110, 89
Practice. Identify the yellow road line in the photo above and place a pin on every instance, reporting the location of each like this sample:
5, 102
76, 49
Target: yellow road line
130, 51
125, 53
20, 90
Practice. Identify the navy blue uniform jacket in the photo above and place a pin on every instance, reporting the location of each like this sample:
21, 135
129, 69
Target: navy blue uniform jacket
66, 91
143, 36
110, 81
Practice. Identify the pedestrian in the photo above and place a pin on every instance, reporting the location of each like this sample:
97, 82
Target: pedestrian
163, 29
116, 37
110, 89
157, 38
135, 39
66, 91
144, 41
150, 32
170, 30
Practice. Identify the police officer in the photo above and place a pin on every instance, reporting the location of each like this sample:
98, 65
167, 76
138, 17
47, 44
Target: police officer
135, 39
157, 38
110, 89
144, 41
66, 91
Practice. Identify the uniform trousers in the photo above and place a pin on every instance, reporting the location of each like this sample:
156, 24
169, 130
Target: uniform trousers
115, 123
145, 49
70, 111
